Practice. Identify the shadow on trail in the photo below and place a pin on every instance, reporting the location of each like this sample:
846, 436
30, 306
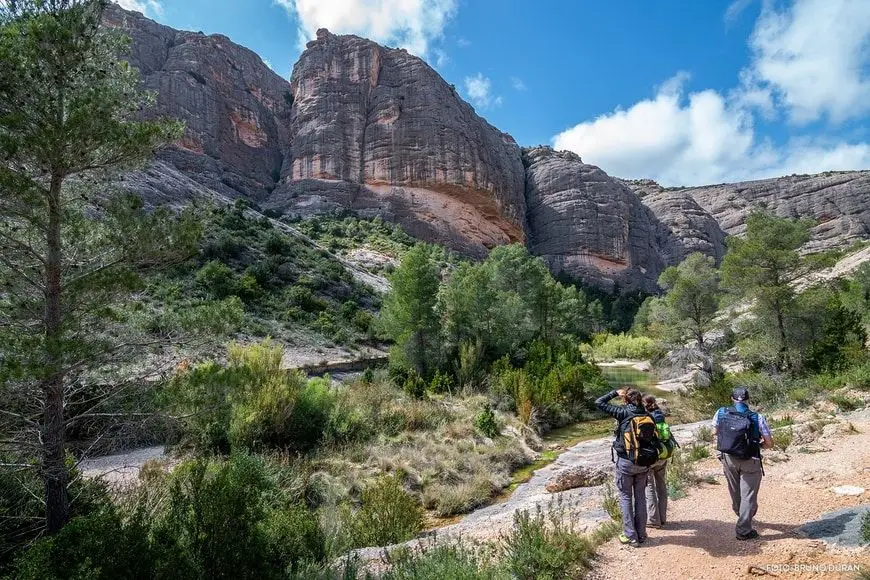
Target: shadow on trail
716, 537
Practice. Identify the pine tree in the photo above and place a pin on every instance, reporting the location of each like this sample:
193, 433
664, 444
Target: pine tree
70, 113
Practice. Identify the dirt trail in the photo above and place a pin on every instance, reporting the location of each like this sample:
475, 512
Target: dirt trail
699, 540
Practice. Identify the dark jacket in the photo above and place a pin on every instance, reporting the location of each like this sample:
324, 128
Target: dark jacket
658, 416
620, 413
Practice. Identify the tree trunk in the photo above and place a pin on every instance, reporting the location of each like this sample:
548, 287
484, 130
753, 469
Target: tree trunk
782, 363
54, 468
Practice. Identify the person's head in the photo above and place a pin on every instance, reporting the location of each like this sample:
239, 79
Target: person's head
650, 403
740, 395
631, 396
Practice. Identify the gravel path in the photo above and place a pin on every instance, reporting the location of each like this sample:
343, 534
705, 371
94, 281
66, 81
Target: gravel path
699, 541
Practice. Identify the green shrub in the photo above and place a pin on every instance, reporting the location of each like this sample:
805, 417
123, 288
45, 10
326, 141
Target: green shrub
782, 438
487, 423
607, 347
295, 536
387, 515
698, 452
217, 279
845, 403
212, 524
801, 396
785, 421
98, 546
414, 385
441, 383
611, 503
458, 498
538, 549
706, 400
440, 563
302, 297
704, 434
681, 474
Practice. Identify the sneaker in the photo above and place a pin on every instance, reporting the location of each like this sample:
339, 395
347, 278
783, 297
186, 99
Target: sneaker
750, 536
625, 540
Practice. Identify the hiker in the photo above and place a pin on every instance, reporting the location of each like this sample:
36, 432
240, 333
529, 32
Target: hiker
636, 448
657, 487
741, 434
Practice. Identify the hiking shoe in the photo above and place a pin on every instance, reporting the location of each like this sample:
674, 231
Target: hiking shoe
655, 526
626, 541
750, 536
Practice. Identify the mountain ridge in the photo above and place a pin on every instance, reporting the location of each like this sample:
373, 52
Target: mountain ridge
377, 131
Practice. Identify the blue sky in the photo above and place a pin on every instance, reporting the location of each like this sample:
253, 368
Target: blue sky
682, 91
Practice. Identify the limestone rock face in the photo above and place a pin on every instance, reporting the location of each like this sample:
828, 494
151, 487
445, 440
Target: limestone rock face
691, 227
838, 201
588, 225
231, 102
378, 131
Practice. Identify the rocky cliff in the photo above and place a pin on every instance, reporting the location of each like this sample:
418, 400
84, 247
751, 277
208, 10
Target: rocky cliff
839, 201
234, 107
377, 131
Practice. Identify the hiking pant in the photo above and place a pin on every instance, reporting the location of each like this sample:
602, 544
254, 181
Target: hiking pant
744, 480
657, 494
631, 483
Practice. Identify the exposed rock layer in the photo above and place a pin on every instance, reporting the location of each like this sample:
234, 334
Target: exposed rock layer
375, 130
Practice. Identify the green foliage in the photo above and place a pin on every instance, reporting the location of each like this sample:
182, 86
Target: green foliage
487, 423
762, 267
253, 403
409, 315
96, 546
697, 452
681, 474
845, 403
217, 279
704, 434
690, 304
545, 548
387, 515
440, 563
782, 438
611, 503
608, 347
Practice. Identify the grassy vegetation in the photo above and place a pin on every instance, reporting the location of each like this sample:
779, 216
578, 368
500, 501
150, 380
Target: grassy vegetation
609, 347
288, 289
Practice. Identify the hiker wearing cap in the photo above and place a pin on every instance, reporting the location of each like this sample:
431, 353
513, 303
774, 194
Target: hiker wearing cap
741, 434
636, 448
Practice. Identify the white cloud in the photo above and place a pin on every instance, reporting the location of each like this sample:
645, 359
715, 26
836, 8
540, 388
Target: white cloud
518, 84
808, 64
477, 88
813, 58
735, 9
411, 24
442, 59
147, 7
463, 42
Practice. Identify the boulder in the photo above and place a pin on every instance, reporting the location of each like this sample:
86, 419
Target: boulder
582, 476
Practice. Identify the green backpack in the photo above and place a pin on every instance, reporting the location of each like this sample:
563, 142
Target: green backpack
667, 443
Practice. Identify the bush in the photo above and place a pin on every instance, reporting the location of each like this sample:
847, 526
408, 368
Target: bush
441, 383
704, 434
681, 474
387, 515
487, 423
217, 279
212, 525
845, 403
611, 503
698, 452
607, 347
98, 546
440, 563
538, 549
458, 498
782, 438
